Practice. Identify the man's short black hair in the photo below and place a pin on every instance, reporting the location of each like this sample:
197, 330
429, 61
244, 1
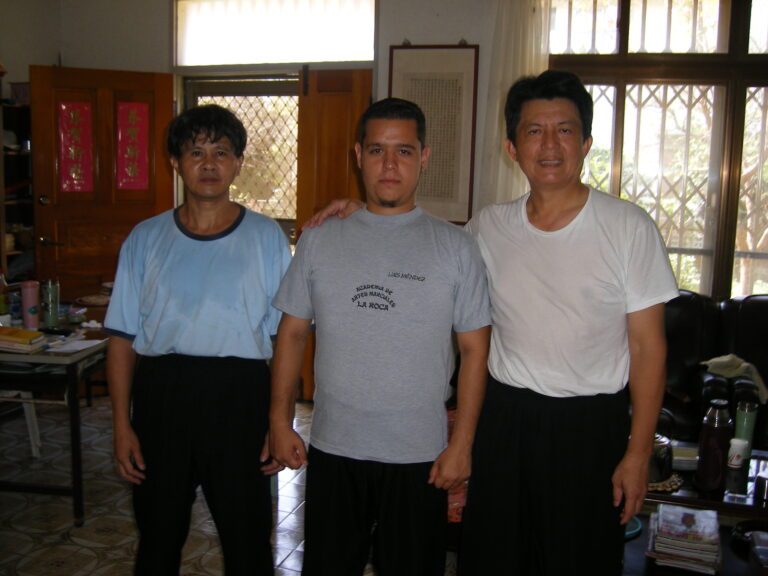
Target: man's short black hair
548, 86
393, 109
211, 121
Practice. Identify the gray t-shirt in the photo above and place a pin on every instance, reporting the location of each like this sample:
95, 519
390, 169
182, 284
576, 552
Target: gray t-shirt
385, 293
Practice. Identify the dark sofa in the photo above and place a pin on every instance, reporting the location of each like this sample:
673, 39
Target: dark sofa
699, 328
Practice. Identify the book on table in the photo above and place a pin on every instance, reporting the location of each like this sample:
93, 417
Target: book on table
9, 334
22, 348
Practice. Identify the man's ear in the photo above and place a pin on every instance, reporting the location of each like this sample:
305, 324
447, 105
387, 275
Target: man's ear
359, 154
174, 164
510, 148
425, 152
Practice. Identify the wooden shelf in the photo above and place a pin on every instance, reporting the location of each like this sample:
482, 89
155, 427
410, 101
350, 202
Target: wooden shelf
16, 204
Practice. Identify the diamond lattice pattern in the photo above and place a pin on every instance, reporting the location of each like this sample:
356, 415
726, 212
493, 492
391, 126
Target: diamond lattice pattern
267, 182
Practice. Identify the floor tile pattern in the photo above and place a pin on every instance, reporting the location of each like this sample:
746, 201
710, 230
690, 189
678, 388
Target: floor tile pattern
36, 533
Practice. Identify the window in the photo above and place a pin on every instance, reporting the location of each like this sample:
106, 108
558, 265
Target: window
268, 107
681, 114
221, 32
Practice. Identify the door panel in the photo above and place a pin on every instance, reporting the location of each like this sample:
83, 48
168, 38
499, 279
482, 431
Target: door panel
330, 105
82, 213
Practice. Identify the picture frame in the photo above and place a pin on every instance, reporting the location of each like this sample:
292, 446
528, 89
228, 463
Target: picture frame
442, 80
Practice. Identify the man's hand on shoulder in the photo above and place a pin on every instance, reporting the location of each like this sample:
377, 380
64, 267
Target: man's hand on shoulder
341, 208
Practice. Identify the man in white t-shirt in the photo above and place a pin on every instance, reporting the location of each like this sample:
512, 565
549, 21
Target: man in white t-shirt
578, 282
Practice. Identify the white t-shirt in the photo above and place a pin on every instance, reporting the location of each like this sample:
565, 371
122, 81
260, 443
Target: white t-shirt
560, 299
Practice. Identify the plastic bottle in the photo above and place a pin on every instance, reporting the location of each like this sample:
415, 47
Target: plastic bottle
716, 433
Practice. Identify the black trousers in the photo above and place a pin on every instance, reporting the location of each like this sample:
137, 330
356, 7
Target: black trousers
541, 487
202, 422
353, 505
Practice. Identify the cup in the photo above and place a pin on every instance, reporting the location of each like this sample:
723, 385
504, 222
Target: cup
744, 423
738, 453
30, 304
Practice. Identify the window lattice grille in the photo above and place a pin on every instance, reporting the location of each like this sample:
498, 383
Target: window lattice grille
666, 166
597, 165
750, 268
267, 181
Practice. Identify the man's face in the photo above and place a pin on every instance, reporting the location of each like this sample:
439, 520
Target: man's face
549, 148
391, 160
207, 168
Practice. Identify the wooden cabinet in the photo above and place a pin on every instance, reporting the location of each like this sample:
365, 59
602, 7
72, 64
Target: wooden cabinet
17, 238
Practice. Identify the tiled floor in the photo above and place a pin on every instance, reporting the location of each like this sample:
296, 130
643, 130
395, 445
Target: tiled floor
36, 533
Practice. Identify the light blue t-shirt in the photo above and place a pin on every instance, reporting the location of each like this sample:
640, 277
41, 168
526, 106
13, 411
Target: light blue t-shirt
386, 292
180, 293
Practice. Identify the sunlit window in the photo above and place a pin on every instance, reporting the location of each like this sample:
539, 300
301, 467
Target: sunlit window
598, 164
681, 126
750, 266
758, 27
221, 32
666, 168
583, 26
676, 26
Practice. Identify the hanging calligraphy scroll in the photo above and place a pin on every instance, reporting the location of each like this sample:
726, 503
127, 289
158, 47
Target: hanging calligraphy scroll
132, 145
75, 147
442, 80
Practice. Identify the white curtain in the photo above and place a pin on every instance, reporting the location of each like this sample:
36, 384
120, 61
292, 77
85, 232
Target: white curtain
220, 32
519, 49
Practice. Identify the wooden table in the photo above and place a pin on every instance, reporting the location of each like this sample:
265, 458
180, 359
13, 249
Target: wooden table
736, 503
52, 374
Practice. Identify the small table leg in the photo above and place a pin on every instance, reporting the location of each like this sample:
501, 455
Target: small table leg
73, 403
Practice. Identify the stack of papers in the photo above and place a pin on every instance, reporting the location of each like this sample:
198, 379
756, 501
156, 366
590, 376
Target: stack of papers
685, 538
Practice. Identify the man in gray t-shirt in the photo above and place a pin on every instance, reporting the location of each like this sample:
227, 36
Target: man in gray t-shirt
387, 288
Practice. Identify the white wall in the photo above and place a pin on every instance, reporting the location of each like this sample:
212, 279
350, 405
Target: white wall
136, 35
117, 34
29, 34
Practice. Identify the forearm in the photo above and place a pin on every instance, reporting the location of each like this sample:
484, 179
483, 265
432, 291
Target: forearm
286, 370
646, 391
647, 374
121, 360
473, 374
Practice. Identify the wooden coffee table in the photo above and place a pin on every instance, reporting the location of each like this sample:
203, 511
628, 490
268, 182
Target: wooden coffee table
735, 504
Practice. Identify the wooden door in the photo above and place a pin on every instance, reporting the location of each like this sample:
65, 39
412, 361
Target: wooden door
99, 167
330, 105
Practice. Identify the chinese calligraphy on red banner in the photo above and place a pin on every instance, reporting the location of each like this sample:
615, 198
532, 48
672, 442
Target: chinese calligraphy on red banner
132, 145
75, 147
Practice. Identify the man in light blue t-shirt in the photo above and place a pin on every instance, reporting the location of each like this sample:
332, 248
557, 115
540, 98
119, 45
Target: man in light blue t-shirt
191, 323
386, 289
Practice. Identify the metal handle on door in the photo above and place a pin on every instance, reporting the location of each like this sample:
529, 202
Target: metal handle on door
45, 241
44, 200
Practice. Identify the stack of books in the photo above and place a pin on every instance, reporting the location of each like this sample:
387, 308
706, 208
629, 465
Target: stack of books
20, 340
685, 538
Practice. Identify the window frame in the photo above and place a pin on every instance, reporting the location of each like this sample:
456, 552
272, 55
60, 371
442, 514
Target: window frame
734, 71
